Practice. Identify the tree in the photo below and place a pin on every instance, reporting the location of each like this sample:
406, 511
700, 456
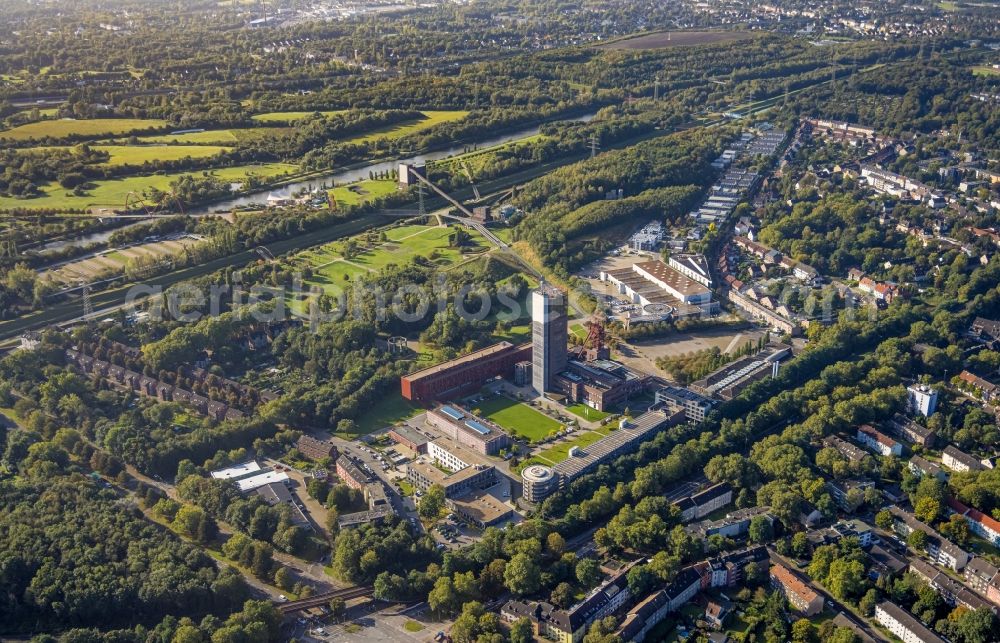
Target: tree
917, 540
588, 572
846, 578
760, 529
522, 575
803, 631
432, 502
927, 509
640, 580
521, 631
562, 595
443, 599
883, 519
800, 545
338, 608
555, 544
868, 601
283, 578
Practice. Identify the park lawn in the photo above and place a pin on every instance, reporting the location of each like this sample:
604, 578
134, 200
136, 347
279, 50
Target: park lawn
389, 410
433, 241
983, 70
413, 626
578, 330
517, 417
112, 193
291, 117
586, 412
518, 334
560, 452
363, 191
89, 128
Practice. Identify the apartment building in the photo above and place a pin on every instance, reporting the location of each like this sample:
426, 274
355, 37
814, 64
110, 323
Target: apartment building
877, 441
903, 624
799, 595
939, 549
957, 460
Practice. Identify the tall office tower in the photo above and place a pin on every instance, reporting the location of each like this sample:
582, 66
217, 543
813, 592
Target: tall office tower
548, 336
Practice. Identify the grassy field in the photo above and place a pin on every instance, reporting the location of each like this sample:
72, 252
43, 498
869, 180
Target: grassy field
517, 418
560, 452
663, 39
112, 193
983, 70
215, 137
90, 128
587, 413
389, 410
139, 154
291, 117
332, 271
362, 191
431, 119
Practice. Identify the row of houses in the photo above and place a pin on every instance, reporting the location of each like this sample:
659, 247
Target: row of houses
150, 386
953, 592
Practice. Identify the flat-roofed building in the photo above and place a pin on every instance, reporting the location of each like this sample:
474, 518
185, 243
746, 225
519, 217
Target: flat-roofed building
549, 336
236, 472
624, 440
538, 482
601, 383
409, 438
276, 493
481, 509
730, 380
452, 466
799, 595
463, 375
252, 483
694, 405
468, 430
903, 624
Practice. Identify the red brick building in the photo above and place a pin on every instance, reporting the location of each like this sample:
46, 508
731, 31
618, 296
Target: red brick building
463, 375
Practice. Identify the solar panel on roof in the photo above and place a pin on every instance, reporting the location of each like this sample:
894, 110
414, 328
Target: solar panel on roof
477, 427
452, 412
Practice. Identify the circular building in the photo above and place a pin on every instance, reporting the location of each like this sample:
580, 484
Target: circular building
539, 481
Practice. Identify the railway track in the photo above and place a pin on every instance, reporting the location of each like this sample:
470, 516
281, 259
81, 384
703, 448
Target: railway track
322, 599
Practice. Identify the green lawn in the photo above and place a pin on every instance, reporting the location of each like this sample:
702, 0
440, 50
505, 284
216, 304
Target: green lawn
91, 128
517, 417
578, 330
413, 626
983, 70
363, 191
384, 413
112, 193
587, 413
560, 452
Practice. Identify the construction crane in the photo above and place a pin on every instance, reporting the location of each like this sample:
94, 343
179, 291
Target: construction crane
468, 173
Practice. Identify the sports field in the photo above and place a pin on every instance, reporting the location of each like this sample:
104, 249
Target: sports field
517, 417
112, 193
91, 128
663, 39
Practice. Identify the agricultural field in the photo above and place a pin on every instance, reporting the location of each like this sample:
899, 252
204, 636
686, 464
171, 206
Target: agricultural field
214, 137
664, 39
112, 193
431, 119
139, 154
517, 417
113, 263
87, 128
291, 117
